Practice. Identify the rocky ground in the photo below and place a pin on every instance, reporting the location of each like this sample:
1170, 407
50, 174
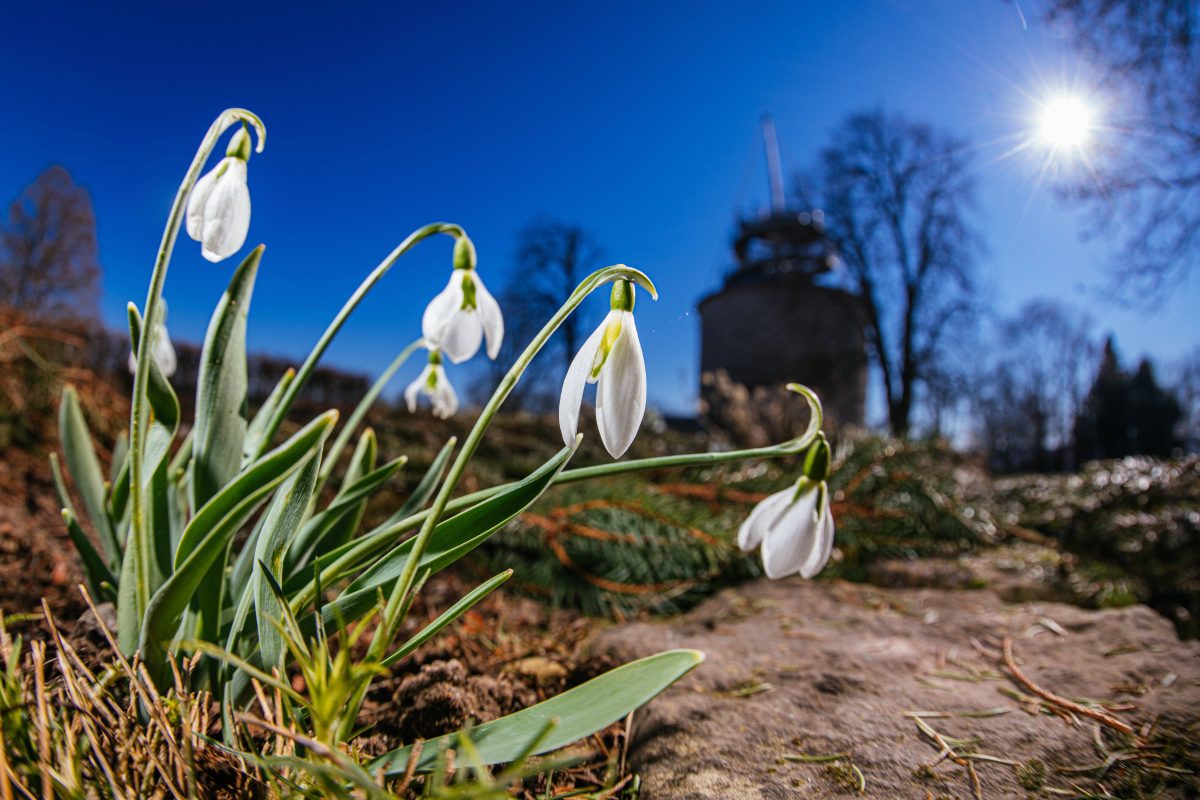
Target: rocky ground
830, 689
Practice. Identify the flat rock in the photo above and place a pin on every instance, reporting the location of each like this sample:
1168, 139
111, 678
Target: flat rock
801, 669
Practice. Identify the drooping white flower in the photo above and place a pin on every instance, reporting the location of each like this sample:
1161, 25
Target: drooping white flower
433, 383
795, 526
161, 351
218, 210
459, 317
612, 359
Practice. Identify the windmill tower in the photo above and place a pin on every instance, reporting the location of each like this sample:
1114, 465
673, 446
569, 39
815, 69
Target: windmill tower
773, 323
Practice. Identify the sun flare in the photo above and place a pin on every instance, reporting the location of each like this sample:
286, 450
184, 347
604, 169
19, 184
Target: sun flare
1066, 123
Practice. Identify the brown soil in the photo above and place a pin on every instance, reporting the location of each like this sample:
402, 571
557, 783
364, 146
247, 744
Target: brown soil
799, 672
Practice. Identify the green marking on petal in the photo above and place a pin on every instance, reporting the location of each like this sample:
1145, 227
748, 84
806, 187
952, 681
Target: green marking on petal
468, 288
611, 331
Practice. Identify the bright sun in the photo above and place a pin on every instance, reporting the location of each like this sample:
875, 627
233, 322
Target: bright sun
1066, 123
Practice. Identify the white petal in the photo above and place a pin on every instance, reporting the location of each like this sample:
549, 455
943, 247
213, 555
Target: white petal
441, 308
572, 390
164, 353
226, 213
750, 535
196, 202
819, 556
490, 317
791, 538
462, 337
445, 401
414, 389
621, 393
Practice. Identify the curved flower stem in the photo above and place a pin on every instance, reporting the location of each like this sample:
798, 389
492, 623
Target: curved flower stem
392, 616
140, 413
375, 540
343, 438
310, 363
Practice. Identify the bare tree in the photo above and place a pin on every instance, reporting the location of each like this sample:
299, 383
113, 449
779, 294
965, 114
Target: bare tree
49, 263
1144, 182
551, 257
894, 194
1185, 384
1030, 392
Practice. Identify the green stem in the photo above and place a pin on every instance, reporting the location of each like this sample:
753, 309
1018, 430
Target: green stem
364, 406
310, 363
393, 612
370, 543
140, 413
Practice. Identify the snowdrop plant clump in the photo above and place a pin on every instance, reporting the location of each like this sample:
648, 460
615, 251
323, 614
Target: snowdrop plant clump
221, 541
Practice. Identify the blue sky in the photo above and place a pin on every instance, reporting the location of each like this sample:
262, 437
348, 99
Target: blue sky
637, 120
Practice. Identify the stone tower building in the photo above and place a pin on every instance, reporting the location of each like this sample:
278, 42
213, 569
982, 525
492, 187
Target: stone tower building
772, 324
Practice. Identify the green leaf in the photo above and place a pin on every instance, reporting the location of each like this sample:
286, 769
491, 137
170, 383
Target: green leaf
451, 540
84, 468
449, 615
257, 431
210, 531
163, 401
351, 500
360, 411
580, 712
97, 572
220, 430
361, 463
283, 519
374, 539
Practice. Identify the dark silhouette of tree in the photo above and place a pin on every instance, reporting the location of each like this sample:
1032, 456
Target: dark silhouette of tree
551, 258
49, 263
894, 194
1185, 385
1028, 394
1126, 414
1143, 181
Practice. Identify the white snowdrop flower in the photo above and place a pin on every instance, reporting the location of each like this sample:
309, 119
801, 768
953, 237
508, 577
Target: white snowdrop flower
161, 350
433, 383
612, 359
795, 526
218, 211
459, 317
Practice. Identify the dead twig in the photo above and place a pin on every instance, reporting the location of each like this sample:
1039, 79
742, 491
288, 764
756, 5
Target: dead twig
1063, 703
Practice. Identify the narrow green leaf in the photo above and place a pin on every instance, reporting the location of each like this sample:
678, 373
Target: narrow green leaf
119, 454
360, 411
163, 401
350, 501
375, 539
283, 520
97, 572
221, 424
208, 534
84, 468
448, 616
256, 432
361, 463
580, 712
450, 541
